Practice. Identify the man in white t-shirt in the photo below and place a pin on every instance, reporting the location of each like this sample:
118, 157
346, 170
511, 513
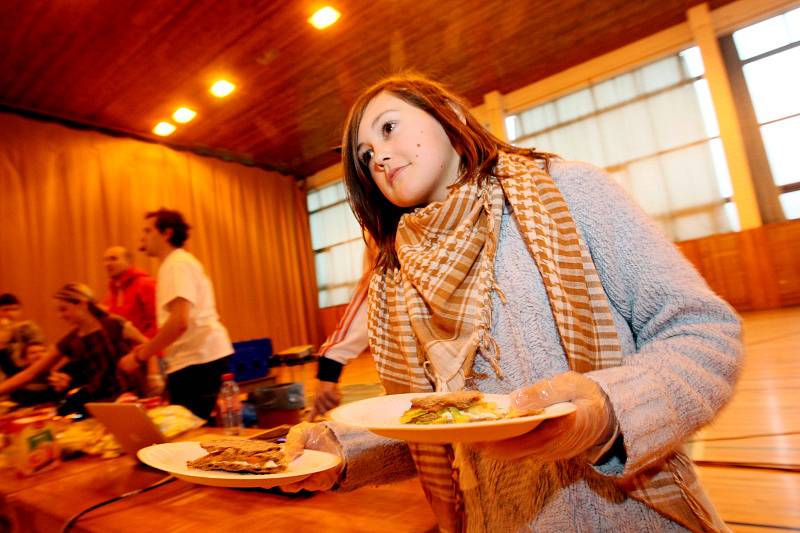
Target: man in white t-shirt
195, 345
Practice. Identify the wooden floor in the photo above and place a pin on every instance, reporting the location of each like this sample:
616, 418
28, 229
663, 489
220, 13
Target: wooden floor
749, 457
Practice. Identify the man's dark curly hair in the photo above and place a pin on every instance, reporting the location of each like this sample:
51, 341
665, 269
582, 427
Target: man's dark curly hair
170, 219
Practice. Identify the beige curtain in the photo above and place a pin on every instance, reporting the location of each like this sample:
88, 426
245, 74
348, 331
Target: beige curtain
66, 195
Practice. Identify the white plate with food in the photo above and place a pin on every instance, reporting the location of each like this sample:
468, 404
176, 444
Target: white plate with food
439, 418
233, 464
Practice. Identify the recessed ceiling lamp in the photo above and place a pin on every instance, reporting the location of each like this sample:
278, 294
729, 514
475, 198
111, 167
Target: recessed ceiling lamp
182, 115
222, 88
324, 17
163, 129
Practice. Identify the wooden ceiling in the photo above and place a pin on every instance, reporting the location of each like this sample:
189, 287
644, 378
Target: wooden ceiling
124, 65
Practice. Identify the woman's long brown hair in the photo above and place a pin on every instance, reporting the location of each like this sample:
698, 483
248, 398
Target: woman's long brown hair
476, 146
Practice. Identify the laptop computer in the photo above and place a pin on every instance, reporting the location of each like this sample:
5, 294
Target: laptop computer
129, 424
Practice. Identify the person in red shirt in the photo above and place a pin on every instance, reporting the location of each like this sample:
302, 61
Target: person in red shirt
131, 291
132, 295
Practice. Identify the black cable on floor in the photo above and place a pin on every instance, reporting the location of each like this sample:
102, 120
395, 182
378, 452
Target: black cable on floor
71, 522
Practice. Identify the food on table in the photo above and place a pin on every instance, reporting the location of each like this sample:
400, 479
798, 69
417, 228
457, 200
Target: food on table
243, 456
88, 436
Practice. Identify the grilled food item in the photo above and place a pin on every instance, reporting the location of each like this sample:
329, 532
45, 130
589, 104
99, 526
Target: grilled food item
243, 456
452, 408
457, 407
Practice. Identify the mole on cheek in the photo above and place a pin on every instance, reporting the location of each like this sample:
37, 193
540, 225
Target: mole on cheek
418, 146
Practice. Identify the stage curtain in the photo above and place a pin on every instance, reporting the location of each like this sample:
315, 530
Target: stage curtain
68, 194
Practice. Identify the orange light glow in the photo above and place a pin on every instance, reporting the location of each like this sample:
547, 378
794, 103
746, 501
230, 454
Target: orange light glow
182, 115
163, 129
324, 17
222, 88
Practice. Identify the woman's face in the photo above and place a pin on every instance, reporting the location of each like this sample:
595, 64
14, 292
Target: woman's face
69, 312
407, 152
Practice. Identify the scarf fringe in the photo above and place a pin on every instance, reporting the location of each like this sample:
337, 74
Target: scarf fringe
490, 351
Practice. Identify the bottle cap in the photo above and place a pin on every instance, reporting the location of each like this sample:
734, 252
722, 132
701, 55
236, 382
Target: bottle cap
228, 376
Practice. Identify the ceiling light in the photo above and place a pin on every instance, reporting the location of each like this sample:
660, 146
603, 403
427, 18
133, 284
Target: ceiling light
324, 17
222, 88
163, 129
182, 115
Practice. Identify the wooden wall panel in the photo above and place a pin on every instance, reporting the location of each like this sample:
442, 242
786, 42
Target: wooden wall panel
783, 243
753, 269
329, 317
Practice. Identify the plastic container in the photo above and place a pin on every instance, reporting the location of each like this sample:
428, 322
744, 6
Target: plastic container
230, 406
33, 445
278, 404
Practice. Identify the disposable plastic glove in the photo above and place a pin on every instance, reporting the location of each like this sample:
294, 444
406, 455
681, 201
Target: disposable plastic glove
308, 436
589, 428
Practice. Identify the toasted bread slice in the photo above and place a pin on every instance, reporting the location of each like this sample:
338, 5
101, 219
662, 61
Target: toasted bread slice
459, 400
243, 456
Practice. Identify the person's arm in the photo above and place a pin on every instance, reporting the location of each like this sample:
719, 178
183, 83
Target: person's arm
131, 333
350, 346
147, 296
30, 373
687, 345
345, 344
688, 341
176, 325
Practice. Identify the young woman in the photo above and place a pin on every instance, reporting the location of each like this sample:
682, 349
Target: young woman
508, 270
87, 356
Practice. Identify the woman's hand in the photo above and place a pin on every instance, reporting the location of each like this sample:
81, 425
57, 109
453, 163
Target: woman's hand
326, 397
59, 381
308, 436
592, 425
129, 363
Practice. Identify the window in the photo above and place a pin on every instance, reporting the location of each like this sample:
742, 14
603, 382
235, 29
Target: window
770, 56
654, 130
337, 243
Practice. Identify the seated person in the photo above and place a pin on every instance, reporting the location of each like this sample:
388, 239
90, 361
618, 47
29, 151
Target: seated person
85, 358
39, 390
93, 347
15, 334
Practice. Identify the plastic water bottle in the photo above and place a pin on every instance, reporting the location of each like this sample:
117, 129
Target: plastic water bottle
230, 406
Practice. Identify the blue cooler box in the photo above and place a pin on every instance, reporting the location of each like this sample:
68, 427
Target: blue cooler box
251, 359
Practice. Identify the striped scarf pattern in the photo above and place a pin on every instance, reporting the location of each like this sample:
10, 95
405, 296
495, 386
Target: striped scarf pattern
430, 318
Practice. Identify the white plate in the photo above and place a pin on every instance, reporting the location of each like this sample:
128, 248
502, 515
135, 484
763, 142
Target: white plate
382, 414
172, 457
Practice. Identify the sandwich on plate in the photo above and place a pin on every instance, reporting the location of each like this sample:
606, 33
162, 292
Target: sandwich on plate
243, 456
456, 408
452, 408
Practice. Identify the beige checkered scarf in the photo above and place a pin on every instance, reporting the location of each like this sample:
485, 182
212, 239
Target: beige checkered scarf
431, 317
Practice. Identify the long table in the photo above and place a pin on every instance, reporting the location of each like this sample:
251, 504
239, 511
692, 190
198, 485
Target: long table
44, 502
